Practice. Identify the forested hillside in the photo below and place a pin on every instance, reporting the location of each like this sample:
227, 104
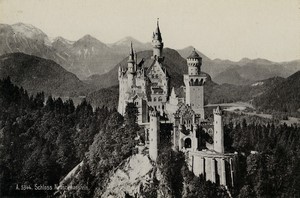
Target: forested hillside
41, 142
269, 157
285, 97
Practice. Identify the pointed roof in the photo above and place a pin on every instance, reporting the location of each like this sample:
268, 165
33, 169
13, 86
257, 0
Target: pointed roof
194, 55
184, 109
157, 34
131, 54
131, 49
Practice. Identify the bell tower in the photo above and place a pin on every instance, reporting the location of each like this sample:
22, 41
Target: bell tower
194, 83
157, 44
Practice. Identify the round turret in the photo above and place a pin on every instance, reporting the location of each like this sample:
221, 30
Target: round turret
218, 130
154, 134
194, 62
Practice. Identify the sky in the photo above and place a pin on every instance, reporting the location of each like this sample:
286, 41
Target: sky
226, 29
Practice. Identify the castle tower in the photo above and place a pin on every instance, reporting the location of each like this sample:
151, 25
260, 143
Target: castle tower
157, 44
218, 131
131, 68
154, 135
194, 83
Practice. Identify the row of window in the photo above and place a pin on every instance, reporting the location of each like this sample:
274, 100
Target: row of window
158, 99
158, 107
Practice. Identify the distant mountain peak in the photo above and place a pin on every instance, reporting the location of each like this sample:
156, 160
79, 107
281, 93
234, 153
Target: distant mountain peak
27, 30
89, 40
185, 52
126, 41
62, 40
262, 61
88, 37
244, 60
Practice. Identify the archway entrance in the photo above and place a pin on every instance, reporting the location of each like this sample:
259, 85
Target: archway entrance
188, 143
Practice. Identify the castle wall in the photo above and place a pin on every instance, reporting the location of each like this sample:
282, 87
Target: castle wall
216, 168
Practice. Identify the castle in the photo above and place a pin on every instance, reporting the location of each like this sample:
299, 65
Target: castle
201, 139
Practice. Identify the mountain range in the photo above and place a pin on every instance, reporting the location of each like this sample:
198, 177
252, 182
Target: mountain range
255, 70
88, 57
243, 72
84, 57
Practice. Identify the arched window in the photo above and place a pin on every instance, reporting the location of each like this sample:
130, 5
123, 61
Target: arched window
154, 99
201, 81
192, 82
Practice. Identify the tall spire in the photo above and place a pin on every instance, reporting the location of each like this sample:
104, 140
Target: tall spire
131, 49
131, 53
157, 34
157, 44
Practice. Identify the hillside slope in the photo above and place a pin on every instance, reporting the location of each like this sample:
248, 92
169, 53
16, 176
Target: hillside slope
37, 74
284, 97
249, 71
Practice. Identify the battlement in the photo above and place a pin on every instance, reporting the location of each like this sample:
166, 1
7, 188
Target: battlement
218, 111
193, 62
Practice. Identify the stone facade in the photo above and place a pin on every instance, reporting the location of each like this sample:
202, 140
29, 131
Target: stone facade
201, 139
144, 85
